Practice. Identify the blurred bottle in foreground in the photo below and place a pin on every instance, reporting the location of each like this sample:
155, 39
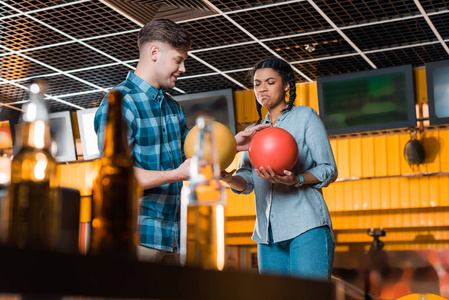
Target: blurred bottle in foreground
33, 206
114, 224
202, 206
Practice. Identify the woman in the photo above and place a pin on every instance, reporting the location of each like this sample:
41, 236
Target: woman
293, 229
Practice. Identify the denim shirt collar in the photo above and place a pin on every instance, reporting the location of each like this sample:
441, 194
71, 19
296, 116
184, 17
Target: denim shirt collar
281, 117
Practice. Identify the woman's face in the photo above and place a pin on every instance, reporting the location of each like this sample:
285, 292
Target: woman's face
269, 89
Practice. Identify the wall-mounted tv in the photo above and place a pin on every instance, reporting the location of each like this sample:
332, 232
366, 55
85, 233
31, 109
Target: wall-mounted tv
437, 77
62, 135
88, 135
217, 104
371, 100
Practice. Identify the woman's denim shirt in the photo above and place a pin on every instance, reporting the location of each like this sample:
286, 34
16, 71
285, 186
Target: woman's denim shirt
292, 210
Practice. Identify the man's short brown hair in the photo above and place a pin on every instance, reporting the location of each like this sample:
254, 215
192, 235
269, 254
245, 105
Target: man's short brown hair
165, 31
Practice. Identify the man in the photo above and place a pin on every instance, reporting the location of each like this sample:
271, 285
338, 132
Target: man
156, 133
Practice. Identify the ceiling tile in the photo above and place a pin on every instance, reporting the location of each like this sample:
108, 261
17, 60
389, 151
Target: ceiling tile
85, 19
241, 57
416, 56
123, 47
213, 32
21, 33
69, 57
387, 35
107, 77
281, 20
16, 67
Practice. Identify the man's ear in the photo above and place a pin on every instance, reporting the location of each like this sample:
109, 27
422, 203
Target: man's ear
153, 51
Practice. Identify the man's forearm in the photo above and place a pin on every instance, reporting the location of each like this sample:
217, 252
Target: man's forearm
150, 179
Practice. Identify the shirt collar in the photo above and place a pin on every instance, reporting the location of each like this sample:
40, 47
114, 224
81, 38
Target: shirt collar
281, 117
148, 89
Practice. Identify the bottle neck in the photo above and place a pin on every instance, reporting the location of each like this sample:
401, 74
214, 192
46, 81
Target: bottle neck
36, 135
116, 130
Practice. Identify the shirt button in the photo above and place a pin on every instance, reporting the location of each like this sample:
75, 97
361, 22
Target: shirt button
163, 130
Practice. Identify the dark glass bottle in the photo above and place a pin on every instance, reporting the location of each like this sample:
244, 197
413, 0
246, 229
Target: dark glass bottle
33, 206
114, 224
203, 202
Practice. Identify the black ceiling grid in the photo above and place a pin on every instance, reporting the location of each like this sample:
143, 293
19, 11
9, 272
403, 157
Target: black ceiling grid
348, 12
89, 100
10, 93
281, 20
84, 47
20, 33
213, 32
416, 56
123, 46
15, 67
86, 19
244, 56
195, 68
326, 44
105, 77
333, 66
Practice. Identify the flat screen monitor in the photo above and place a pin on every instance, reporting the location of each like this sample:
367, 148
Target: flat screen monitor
62, 135
88, 135
437, 78
371, 100
217, 104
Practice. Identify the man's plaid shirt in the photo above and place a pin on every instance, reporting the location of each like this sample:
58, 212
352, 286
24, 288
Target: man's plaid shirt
156, 134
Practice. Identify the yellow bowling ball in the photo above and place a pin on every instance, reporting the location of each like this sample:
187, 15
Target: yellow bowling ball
224, 141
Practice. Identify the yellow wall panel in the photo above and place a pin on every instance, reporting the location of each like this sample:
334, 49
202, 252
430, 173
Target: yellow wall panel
313, 96
424, 192
239, 105
395, 193
240, 226
434, 191
250, 107
240, 205
366, 199
380, 154
444, 191
355, 157
347, 194
444, 149
375, 194
301, 94
357, 194
405, 167
340, 196
414, 185
394, 153
385, 192
343, 158
368, 158
432, 154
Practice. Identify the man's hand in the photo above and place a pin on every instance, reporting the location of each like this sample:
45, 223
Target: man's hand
243, 138
184, 170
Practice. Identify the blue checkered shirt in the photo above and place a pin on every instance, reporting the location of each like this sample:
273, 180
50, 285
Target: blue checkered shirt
156, 133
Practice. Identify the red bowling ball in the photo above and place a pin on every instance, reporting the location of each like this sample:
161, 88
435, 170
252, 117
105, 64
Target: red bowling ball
274, 147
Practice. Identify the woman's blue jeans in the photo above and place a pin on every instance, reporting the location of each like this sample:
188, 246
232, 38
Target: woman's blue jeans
309, 255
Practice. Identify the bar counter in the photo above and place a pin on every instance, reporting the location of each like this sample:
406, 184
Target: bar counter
46, 275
